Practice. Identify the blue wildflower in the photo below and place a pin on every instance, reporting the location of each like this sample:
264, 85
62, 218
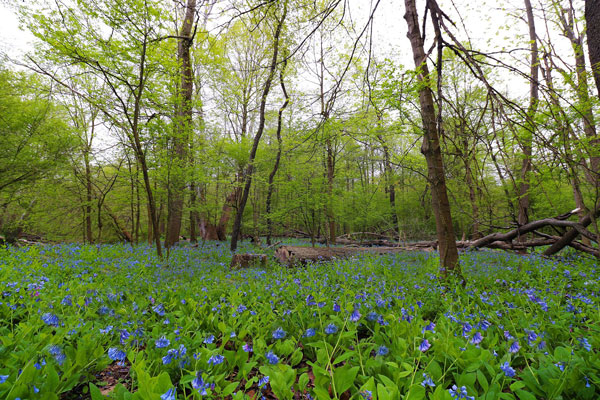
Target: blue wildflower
159, 309
425, 345
585, 344
263, 381
50, 319
366, 395
507, 369
216, 359
279, 333
427, 381
272, 358
247, 347
429, 327
58, 354
382, 351
514, 347
116, 354
170, 394
477, 338
336, 307
162, 342
355, 316
199, 384
331, 329
3, 378
461, 393
209, 339
310, 332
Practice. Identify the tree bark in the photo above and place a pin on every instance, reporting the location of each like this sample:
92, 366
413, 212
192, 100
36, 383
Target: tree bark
431, 148
527, 141
261, 126
183, 126
278, 156
592, 19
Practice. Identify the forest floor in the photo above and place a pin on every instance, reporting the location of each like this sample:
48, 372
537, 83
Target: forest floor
112, 320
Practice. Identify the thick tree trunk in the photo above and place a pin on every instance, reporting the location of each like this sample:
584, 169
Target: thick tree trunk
592, 19
431, 149
261, 126
278, 156
183, 127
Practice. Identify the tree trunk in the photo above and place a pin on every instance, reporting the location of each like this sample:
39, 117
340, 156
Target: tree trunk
592, 19
389, 177
278, 156
527, 141
261, 126
183, 127
431, 149
330, 177
88, 206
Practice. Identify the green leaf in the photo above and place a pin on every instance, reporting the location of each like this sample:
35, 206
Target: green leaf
344, 378
95, 392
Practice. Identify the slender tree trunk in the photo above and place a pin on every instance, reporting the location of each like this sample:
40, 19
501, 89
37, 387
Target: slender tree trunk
88, 207
183, 127
527, 141
431, 149
261, 125
389, 178
330, 177
278, 156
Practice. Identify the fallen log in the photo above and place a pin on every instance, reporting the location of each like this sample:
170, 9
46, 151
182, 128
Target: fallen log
248, 261
291, 255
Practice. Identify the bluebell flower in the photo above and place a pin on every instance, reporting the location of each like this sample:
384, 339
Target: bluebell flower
427, 381
106, 330
66, 301
587, 381
560, 366
425, 345
507, 335
507, 369
382, 351
170, 394
159, 309
477, 338
310, 332
366, 395
199, 384
263, 381
3, 378
336, 307
50, 319
429, 327
247, 348
272, 358
331, 329
209, 339
531, 337
461, 393
372, 316
585, 344
355, 316
116, 354
514, 347
279, 333
162, 342
216, 359
58, 354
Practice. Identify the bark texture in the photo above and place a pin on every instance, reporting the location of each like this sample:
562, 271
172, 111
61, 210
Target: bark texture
183, 127
431, 148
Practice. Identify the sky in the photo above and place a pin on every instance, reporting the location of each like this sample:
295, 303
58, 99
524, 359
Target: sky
480, 18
